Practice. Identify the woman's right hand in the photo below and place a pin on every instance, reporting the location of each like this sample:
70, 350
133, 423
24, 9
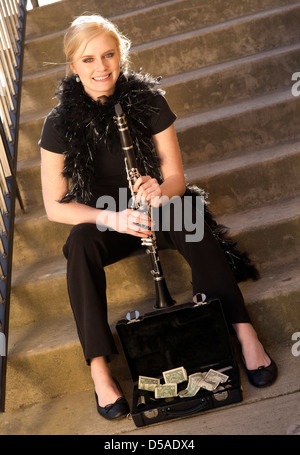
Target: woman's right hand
129, 221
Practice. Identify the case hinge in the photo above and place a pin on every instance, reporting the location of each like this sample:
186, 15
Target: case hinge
200, 299
132, 316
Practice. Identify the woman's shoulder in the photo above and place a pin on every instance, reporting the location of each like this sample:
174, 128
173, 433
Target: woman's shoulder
52, 137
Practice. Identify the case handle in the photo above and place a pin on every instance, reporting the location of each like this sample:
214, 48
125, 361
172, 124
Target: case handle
180, 413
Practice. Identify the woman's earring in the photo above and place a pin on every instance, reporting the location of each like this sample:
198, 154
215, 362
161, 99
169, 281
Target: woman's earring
77, 78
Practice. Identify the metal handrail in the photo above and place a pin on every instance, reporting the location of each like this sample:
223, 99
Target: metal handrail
12, 33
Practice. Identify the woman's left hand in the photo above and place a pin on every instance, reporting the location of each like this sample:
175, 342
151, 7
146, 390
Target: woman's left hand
147, 189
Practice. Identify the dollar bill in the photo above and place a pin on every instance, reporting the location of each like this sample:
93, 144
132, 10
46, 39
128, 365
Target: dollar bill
175, 376
146, 383
214, 376
209, 381
166, 391
194, 385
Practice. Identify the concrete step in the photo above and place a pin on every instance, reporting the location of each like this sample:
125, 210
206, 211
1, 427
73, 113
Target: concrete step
43, 285
245, 126
175, 52
239, 128
248, 35
198, 11
59, 15
268, 233
46, 358
76, 414
145, 25
203, 89
217, 85
270, 411
253, 179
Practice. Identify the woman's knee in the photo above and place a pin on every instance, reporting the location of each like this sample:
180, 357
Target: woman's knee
82, 237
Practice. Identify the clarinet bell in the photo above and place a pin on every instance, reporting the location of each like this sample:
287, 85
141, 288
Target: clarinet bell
163, 297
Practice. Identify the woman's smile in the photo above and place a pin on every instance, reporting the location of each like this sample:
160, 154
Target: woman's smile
97, 64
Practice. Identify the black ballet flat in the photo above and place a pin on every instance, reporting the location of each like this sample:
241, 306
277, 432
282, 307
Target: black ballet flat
116, 410
262, 376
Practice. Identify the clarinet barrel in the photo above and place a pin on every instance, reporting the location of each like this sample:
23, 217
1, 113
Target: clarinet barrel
163, 297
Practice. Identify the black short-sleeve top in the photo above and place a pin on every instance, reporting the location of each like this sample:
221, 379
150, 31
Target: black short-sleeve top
109, 167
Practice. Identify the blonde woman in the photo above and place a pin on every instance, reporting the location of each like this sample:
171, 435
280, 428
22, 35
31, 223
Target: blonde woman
80, 142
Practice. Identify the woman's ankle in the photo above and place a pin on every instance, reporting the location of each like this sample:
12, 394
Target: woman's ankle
105, 386
252, 349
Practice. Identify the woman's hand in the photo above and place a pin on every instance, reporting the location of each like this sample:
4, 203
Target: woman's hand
148, 190
130, 221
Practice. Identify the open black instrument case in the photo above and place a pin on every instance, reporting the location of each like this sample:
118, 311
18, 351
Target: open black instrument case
194, 336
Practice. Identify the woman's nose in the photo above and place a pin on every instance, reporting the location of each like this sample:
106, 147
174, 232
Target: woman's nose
101, 64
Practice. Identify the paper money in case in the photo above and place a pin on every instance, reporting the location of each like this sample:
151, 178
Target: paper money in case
149, 384
188, 335
175, 376
166, 391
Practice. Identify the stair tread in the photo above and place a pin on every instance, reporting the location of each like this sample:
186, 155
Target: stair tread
76, 413
251, 158
55, 331
212, 168
239, 221
234, 109
215, 27
203, 117
212, 69
248, 220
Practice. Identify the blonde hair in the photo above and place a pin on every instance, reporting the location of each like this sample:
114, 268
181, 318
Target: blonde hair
85, 28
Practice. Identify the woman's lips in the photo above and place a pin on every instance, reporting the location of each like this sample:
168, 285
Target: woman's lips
102, 78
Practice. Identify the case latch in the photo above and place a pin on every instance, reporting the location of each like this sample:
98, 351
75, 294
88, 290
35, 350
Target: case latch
199, 299
132, 316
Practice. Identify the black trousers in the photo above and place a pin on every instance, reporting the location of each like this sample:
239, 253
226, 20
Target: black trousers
88, 251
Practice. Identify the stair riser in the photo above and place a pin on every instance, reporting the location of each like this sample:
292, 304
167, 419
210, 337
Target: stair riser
210, 90
45, 375
49, 297
184, 55
153, 24
38, 93
282, 310
60, 15
239, 132
274, 244
61, 364
267, 244
253, 186
204, 141
232, 82
250, 186
38, 239
219, 45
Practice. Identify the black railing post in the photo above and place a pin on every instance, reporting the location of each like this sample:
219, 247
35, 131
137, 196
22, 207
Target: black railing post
12, 29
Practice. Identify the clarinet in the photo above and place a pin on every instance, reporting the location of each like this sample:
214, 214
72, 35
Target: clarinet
163, 297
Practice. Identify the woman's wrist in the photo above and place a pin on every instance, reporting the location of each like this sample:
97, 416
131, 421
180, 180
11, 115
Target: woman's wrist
106, 219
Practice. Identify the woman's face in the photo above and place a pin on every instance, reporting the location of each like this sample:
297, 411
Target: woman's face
98, 65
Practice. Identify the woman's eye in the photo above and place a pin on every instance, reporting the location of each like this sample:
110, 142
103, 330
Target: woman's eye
109, 55
87, 60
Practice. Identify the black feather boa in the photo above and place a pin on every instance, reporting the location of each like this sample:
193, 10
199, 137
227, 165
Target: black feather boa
84, 122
